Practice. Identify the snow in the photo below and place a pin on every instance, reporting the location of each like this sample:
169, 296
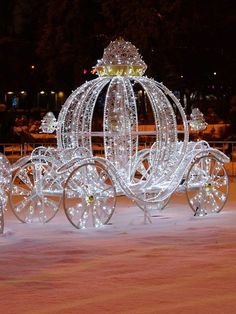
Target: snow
177, 264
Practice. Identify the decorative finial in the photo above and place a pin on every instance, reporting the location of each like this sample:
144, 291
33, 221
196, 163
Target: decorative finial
121, 58
48, 123
197, 122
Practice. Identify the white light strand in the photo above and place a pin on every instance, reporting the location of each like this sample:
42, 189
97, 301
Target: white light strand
88, 183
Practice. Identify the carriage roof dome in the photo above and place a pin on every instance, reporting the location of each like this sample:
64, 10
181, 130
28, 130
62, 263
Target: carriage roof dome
120, 58
119, 96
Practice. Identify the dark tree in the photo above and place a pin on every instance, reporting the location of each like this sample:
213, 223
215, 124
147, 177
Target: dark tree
68, 41
137, 21
18, 36
177, 38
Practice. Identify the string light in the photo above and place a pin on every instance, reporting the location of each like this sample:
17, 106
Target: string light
89, 184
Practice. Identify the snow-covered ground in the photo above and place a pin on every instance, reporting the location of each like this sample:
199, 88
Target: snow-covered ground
177, 264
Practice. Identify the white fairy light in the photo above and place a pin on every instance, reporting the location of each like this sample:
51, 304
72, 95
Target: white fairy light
120, 70
89, 183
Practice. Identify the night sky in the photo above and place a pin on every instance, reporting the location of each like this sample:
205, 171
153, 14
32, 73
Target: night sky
186, 44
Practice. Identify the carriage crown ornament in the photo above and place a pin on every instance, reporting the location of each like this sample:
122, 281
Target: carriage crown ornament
120, 58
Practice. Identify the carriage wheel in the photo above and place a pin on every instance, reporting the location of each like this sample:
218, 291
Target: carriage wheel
207, 185
33, 197
89, 196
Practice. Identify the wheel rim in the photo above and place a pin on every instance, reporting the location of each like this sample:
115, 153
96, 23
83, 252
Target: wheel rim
207, 185
89, 196
33, 197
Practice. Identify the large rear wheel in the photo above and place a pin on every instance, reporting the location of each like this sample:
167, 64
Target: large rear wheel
89, 196
34, 193
207, 185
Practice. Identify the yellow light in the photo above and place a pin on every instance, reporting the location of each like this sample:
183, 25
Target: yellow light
121, 70
22, 92
52, 92
10, 93
42, 92
61, 94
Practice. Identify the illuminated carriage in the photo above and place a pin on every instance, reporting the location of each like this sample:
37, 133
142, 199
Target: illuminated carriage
88, 185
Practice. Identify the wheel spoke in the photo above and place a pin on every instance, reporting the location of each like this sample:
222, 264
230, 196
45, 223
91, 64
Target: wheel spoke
105, 192
97, 221
75, 209
217, 168
84, 216
30, 213
24, 177
214, 205
106, 209
220, 195
207, 165
220, 181
50, 203
20, 205
19, 190
196, 200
